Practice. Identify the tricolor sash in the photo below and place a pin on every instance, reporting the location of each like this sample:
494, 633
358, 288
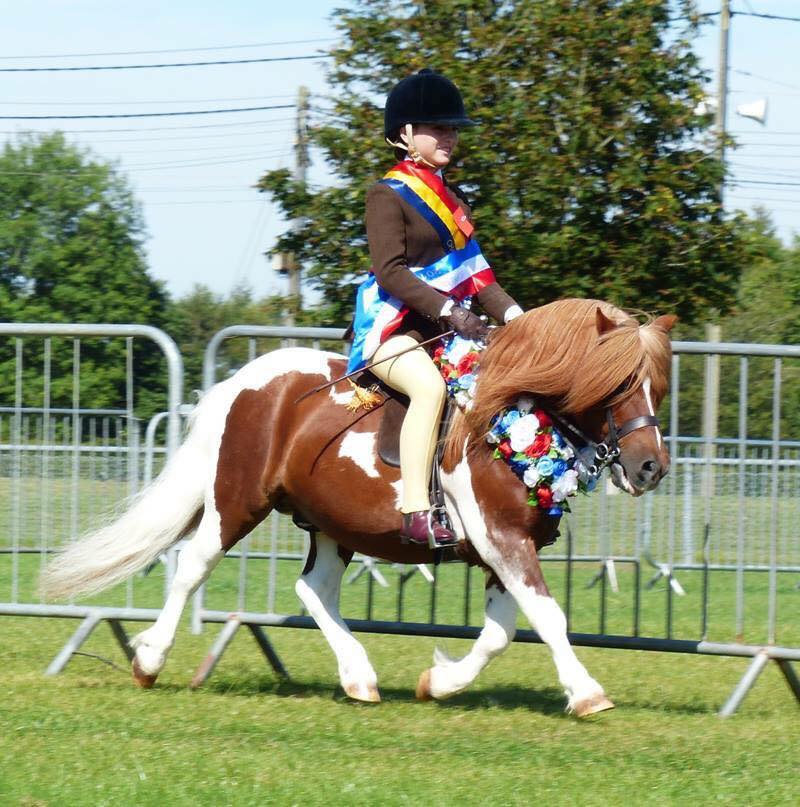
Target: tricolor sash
459, 274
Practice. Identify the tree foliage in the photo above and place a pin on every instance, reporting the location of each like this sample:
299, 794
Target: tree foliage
196, 317
766, 311
590, 174
71, 250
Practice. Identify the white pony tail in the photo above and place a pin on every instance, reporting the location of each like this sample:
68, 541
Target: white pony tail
154, 519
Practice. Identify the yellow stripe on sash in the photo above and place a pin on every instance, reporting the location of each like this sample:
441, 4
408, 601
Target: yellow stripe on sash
434, 202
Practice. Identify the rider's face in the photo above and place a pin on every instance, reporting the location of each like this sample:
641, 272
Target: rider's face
435, 143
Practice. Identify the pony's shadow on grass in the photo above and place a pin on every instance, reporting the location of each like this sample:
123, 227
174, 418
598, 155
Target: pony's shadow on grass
672, 707
548, 701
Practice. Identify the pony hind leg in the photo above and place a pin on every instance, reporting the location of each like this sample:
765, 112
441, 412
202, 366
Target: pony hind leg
450, 676
197, 559
318, 587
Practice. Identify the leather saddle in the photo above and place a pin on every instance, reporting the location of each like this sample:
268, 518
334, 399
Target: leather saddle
393, 408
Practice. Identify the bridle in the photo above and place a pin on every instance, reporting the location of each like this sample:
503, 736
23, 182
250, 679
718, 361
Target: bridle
607, 451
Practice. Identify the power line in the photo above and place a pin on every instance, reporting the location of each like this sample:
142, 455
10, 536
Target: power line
766, 78
169, 50
195, 163
206, 202
159, 128
160, 66
764, 16
134, 103
765, 133
766, 182
146, 114
182, 138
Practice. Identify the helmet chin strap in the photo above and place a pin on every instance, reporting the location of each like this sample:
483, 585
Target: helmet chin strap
411, 147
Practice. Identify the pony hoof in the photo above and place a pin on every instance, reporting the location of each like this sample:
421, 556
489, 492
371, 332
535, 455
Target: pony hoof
140, 677
365, 694
423, 692
593, 705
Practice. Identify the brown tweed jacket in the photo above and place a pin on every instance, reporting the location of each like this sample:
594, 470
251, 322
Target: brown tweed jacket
399, 237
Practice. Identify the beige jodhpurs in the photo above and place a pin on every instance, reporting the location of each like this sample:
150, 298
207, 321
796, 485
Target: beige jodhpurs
414, 374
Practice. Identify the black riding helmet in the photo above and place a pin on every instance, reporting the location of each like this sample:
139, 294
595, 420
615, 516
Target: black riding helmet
425, 97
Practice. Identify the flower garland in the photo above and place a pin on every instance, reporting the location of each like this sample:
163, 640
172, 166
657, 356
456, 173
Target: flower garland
537, 453
457, 359
524, 437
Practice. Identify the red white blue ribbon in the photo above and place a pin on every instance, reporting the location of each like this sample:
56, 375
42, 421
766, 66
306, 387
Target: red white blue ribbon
459, 274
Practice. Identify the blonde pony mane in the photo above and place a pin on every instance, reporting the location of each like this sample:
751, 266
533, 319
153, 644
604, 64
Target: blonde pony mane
557, 354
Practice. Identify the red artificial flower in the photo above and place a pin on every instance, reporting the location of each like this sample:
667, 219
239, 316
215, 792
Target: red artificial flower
545, 497
505, 449
438, 352
467, 363
540, 445
545, 421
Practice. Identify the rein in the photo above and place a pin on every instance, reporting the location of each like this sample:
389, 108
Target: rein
608, 450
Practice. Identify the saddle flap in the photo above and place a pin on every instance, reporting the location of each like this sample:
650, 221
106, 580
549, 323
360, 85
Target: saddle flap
393, 411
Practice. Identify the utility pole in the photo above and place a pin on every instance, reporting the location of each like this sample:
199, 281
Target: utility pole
286, 262
713, 332
722, 85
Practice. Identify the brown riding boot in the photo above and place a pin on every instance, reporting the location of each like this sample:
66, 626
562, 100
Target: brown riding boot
418, 528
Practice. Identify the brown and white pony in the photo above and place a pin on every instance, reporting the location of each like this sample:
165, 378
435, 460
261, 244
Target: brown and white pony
251, 449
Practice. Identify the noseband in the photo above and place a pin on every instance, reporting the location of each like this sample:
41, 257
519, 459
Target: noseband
607, 451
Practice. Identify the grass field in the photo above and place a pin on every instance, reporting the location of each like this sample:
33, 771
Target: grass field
88, 737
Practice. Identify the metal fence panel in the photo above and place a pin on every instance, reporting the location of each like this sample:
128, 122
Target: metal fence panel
66, 469
706, 563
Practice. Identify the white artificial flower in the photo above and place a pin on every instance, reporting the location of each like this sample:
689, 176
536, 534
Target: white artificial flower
565, 485
525, 404
523, 431
462, 399
531, 476
459, 348
492, 438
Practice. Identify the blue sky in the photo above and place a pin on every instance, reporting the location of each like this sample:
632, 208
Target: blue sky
194, 175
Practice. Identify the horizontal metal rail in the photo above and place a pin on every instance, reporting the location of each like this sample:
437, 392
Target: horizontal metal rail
441, 631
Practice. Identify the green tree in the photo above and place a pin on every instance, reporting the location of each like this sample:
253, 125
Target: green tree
71, 250
590, 175
196, 317
766, 310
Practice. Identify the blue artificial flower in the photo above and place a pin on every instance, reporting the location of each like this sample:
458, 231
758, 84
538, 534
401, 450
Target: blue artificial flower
545, 466
466, 381
519, 463
554, 511
510, 417
559, 466
558, 439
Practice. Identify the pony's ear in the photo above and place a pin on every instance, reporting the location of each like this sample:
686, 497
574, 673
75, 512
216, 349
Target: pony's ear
604, 324
665, 322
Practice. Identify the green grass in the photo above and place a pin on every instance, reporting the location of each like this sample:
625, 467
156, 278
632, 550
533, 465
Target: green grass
87, 737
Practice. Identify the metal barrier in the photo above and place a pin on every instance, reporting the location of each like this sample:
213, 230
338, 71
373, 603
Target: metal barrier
706, 564
64, 468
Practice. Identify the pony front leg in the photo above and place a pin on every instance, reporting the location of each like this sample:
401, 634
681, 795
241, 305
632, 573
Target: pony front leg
511, 553
450, 676
524, 581
318, 588
196, 560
